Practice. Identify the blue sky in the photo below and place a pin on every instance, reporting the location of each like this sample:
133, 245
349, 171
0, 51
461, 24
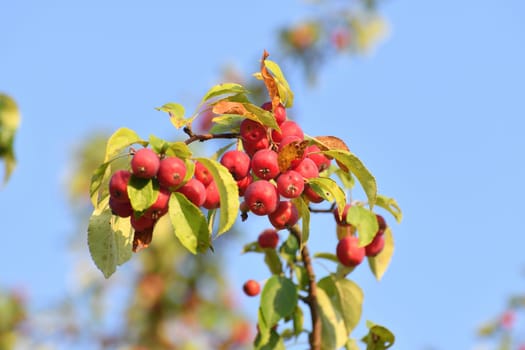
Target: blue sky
436, 113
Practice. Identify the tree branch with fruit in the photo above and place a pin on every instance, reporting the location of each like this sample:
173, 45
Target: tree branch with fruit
268, 168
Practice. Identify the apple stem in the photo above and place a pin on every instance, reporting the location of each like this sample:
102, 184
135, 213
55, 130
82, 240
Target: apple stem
311, 299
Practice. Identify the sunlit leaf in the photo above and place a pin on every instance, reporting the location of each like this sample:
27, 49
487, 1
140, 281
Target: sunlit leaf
356, 167
327, 256
379, 263
189, 224
378, 337
96, 181
332, 191
333, 331
121, 139
228, 191
365, 221
224, 89
142, 193
176, 112
304, 214
272, 260
390, 205
278, 299
285, 93
298, 321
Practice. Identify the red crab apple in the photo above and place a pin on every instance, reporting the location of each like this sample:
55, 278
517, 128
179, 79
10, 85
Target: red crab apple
342, 220
251, 288
142, 223
269, 238
381, 223
288, 127
243, 183
213, 199
314, 153
261, 197
349, 252
279, 112
202, 174
290, 184
252, 131
307, 168
251, 147
118, 185
120, 208
172, 171
264, 164
194, 190
311, 195
376, 246
160, 207
286, 215
145, 163
237, 162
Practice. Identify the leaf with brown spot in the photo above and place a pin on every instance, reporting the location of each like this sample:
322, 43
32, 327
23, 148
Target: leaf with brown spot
327, 143
290, 152
270, 82
229, 107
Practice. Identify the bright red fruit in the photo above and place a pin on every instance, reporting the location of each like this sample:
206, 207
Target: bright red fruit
251, 288
251, 147
237, 162
342, 221
141, 223
307, 168
269, 238
118, 185
160, 207
120, 208
286, 215
202, 174
288, 127
213, 199
279, 112
252, 131
194, 190
376, 246
349, 252
381, 223
322, 161
243, 183
145, 163
290, 184
264, 164
172, 171
311, 195
261, 197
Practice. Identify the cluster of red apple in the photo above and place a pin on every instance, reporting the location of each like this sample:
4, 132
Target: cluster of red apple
348, 251
169, 173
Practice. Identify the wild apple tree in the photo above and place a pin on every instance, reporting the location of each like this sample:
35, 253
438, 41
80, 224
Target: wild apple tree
272, 169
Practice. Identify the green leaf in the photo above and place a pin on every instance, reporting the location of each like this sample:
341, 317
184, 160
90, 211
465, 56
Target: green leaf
271, 342
365, 221
333, 332
327, 256
351, 344
176, 112
228, 191
346, 178
9, 123
177, 149
121, 139
109, 240
302, 277
189, 224
289, 249
378, 337
278, 299
226, 123
390, 205
356, 167
379, 263
330, 191
346, 298
272, 260
96, 181
142, 193
285, 92
304, 214
252, 247
298, 321
262, 116
224, 89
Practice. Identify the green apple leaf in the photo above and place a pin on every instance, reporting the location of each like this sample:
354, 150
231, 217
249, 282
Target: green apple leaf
224, 89
333, 331
272, 260
189, 224
278, 299
176, 112
378, 337
272, 341
262, 116
356, 167
285, 93
228, 191
390, 205
329, 190
365, 221
327, 256
97, 179
9, 123
351, 344
121, 139
298, 321
379, 263
109, 240
142, 193
304, 214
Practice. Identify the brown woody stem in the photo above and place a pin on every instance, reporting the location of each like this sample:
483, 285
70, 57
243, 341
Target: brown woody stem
311, 299
205, 137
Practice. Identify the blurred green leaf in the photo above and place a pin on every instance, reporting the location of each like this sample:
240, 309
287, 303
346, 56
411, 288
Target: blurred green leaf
176, 112
390, 205
142, 193
272, 260
9, 123
365, 221
224, 89
333, 332
119, 140
304, 214
189, 224
278, 299
379, 263
378, 337
96, 181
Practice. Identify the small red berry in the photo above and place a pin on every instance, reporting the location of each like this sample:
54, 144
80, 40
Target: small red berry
251, 288
349, 252
145, 163
269, 238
